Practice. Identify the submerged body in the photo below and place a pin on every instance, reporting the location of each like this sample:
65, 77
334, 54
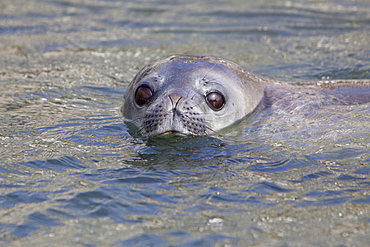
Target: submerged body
193, 95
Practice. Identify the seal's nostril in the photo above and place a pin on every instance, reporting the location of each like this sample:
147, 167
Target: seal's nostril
175, 98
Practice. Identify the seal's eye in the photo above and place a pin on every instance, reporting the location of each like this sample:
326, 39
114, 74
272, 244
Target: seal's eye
215, 100
143, 95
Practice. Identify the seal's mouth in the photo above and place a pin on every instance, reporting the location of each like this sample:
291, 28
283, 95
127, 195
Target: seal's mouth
172, 133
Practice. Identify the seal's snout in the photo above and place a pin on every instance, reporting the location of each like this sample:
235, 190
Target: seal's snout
176, 101
175, 107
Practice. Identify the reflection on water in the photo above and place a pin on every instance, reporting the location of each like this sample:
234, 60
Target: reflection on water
73, 172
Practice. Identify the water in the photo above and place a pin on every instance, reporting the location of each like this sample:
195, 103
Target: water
73, 173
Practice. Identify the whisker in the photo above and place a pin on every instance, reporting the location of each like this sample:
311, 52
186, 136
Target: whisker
212, 131
209, 71
140, 131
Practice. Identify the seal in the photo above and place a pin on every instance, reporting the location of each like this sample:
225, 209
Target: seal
191, 95
201, 95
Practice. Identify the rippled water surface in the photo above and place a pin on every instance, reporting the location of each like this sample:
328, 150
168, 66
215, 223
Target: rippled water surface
73, 173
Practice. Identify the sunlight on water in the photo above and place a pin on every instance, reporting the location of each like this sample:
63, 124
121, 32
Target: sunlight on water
73, 172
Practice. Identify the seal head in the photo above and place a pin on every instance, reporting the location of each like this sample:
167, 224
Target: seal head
191, 95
